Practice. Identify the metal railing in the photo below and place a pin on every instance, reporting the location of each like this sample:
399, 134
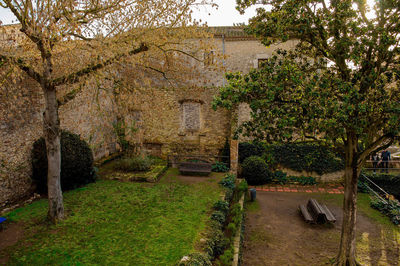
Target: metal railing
391, 164
378, 188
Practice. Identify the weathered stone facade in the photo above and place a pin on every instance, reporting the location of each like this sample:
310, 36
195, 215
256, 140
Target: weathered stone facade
168, 120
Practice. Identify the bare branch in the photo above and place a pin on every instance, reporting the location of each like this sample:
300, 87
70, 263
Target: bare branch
74, 77
376, 145
23, 66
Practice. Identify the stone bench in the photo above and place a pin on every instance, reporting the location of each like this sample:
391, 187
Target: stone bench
316, 213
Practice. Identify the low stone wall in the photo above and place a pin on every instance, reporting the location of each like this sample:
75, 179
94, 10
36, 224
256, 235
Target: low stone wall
325, 178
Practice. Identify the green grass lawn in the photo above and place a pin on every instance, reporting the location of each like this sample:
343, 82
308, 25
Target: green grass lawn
112, 222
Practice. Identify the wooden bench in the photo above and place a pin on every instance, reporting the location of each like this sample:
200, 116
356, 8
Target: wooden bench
316, 213
201, 168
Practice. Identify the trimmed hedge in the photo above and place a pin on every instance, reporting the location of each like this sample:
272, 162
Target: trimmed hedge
134, 164
255, 171
247, 149
308, 157
76, 163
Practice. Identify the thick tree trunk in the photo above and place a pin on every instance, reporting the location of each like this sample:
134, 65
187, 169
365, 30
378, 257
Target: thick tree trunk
347, 249
53, 146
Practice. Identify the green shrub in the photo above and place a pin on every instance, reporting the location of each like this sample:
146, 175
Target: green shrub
219, 167
76, 163
243, 186
362, 185
255, 171
231, 228
217, 243
221, 206
134, 164
218, 216
227, 258
308, 157
228, 181
247, 149
281, 177
303, 180
391, 208
196, 259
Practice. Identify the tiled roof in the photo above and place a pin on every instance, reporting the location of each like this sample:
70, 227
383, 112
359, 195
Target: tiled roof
230, 32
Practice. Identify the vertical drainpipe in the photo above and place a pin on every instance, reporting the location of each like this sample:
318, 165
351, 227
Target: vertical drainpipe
223, 59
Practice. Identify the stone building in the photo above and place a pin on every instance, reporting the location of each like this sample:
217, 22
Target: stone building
167, 120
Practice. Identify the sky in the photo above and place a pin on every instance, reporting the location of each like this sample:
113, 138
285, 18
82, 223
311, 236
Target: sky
225, 15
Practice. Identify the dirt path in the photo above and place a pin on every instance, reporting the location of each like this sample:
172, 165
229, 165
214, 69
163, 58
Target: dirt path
8, 237
277, 235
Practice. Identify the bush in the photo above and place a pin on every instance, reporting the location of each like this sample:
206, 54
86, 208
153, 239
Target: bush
218, 216
243, 186
281, 177
303, 180
219, 167
255, 171
227, 257
76, 163
134, 164
221, 206
228, 181
247, 149
217, 243
307, 157
196, 259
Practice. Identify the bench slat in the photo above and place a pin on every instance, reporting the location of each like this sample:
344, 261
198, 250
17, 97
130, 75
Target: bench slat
329, 216
306, 214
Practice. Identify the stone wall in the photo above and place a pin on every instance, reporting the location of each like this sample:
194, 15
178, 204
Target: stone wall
324, 178
169, 120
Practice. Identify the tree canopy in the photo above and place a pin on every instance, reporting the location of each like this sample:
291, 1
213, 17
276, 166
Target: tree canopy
340, 83
63, 42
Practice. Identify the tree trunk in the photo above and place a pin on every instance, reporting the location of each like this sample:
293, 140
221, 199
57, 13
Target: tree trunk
347, 249
53, 147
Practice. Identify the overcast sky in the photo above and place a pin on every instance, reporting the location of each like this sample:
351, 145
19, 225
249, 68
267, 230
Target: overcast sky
226, 15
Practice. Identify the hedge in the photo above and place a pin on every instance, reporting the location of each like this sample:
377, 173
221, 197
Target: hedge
76, 163
310, 157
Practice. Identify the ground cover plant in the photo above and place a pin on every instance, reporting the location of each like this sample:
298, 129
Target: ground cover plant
220, 167
111, 222
133, 168
282, 178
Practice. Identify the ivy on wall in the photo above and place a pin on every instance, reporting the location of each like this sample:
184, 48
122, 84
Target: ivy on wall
308, 157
